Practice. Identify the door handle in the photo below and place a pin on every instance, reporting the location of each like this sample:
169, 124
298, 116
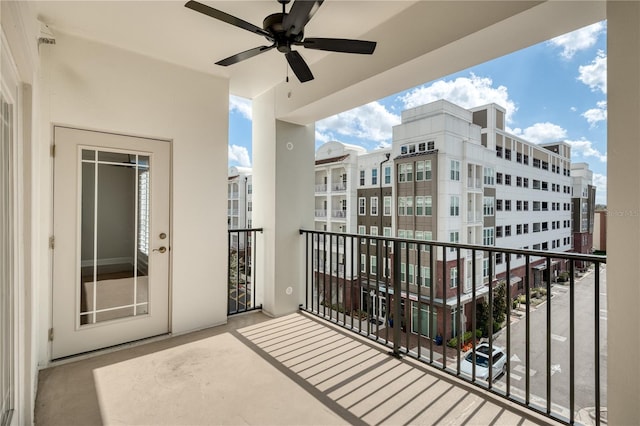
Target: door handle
161, 249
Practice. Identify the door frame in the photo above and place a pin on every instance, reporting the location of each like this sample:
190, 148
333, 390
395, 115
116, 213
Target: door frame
169, 318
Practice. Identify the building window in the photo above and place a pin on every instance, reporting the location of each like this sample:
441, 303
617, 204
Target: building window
420, 320
374, 206
373, 231
409, 205
487, 203
387, 175
518, 180
507, 179
507, 205
507, 231
519, 205
525, 182
419, 170
455, 170
409, 172
403, 272
485, 270
454, 237
427, 170
362, 206
487, 237
498, 258
536, 227
363, 263
362, 177
431, 145
425, 276
427, 205
488, 176
373, 265
455, 206
422, 147
453, 277
249, 189
402, 173
411, 273
518, 229
499, 205
387, 206
498, 231
401, 206
374, 176
419, 206
499, 178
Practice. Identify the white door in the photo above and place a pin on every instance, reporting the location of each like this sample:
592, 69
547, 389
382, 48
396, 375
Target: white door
111, 240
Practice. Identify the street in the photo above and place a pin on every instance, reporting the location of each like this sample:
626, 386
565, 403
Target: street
584, 359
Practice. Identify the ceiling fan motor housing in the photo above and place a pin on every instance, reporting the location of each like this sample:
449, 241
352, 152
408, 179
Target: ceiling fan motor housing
273, 24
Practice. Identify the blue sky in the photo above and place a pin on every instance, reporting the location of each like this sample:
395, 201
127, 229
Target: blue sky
555, 90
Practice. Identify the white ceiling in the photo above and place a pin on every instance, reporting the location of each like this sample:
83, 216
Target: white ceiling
417, 41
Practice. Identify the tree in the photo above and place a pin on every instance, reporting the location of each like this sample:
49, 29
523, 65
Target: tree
482, 317
499, 303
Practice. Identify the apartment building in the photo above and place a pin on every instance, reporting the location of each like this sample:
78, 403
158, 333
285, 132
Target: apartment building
239, 204
583, 201
336, 174
375, 217
461, 178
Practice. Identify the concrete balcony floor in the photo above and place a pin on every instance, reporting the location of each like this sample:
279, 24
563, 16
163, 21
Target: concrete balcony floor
257, 370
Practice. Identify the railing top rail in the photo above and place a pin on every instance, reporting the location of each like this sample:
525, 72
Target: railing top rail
507, 250
245, 230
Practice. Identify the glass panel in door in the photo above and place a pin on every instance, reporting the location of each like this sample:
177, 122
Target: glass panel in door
114, 235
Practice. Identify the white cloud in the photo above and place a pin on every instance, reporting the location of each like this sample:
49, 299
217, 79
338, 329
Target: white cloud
600, 182
242, 105
540, 133
240, 155
585, 148
594, 75
468, 92
595, 115
371, 121
581, 39
573, 109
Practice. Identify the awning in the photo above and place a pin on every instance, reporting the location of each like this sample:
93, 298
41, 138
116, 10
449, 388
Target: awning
540, 267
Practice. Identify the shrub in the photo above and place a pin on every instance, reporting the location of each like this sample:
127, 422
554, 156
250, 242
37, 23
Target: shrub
453, 342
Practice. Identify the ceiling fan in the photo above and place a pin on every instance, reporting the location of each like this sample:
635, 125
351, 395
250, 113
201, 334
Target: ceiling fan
285, 30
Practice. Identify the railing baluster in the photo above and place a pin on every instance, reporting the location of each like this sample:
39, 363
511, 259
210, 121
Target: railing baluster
473, 314
572, 343
444, 308
548, 334
490, 326
433, 332
419, 302
596, 331
527, 338
459, 333
508, 323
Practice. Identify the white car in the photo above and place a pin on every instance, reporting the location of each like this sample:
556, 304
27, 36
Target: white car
482, 362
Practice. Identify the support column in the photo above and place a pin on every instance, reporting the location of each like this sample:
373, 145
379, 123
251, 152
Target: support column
623, 222
283, 200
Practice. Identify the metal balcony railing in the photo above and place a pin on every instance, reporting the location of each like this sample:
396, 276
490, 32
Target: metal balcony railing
242, 293
538, 313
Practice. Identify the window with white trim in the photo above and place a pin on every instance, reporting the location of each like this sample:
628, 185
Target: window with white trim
362, 206
387, 206
374, 206
455, 170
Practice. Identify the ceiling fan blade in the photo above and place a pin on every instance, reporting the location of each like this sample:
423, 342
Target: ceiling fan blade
234, 59
300, 13
299, 66
339, 45
225, 17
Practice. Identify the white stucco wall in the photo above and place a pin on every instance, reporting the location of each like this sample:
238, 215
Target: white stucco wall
94, 86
